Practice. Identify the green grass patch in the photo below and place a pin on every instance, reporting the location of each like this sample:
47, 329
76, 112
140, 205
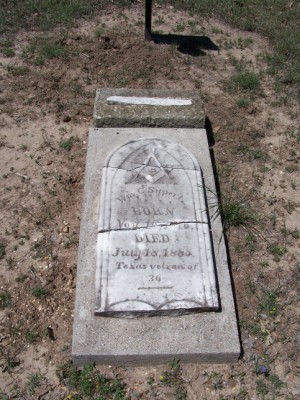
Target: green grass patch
21, 278
17, 70
216, 378
9, 365
295, 233
243, 102
42, 248
277, 251
268, 303
90, 384
291, 168
245, 82
179, 27
290, 206
261, 387
46, 14
67, 144
276, 381
39, 292
251, 242
252, 153
2, 250
257, 154
7, 48
44, 48
32, 336
34, 381
172, 377
5, 300
234, 212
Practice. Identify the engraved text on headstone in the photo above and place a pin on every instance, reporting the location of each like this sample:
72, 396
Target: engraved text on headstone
154, 245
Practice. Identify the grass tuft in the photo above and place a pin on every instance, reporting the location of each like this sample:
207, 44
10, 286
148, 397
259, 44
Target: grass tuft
89, 384
17, 70
235, 212
39, 292
44, 48
268, 303
277, 251
2, 250
243, 102
172, 377
9, 365
32, 336
34, 381
67, 144
247, 81
7, 48
5, 300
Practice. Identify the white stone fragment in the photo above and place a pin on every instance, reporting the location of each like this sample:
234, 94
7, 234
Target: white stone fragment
152, 101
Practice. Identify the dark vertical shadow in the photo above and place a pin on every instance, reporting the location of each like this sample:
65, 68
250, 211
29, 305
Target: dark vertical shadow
211, 143
148, 19
209, 131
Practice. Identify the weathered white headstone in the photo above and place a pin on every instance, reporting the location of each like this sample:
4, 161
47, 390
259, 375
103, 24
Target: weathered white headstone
154, 252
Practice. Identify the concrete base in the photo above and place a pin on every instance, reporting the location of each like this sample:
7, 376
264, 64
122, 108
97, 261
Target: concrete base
210, 337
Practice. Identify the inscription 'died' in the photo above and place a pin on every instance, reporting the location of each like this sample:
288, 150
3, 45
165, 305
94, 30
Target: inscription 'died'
154, 250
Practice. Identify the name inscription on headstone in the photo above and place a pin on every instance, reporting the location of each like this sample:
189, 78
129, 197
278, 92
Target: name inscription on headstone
154, 250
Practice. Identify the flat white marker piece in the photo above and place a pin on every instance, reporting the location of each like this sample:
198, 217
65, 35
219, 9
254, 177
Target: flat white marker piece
151, 101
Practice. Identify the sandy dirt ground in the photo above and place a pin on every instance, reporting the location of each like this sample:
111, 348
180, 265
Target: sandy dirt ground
46, 110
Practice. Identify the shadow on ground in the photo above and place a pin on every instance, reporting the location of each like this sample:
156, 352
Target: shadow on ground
192, 45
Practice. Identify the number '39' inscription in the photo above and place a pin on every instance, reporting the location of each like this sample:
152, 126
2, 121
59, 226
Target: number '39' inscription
155, 278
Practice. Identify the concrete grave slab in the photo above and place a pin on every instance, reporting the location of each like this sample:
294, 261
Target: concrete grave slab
210, 337
155, 253
126, 107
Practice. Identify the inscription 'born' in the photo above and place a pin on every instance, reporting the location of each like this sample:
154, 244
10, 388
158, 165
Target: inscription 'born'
153, 211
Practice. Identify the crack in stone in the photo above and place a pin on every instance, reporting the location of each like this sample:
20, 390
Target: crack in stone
165, 168
160, 225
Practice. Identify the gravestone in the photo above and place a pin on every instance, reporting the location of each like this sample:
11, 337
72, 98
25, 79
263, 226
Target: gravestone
153, 282
154, 246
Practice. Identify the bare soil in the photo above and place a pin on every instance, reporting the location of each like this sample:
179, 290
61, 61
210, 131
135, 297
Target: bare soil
46, 111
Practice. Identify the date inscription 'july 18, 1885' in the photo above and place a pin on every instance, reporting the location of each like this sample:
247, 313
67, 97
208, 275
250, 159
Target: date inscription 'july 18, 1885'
154, 250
